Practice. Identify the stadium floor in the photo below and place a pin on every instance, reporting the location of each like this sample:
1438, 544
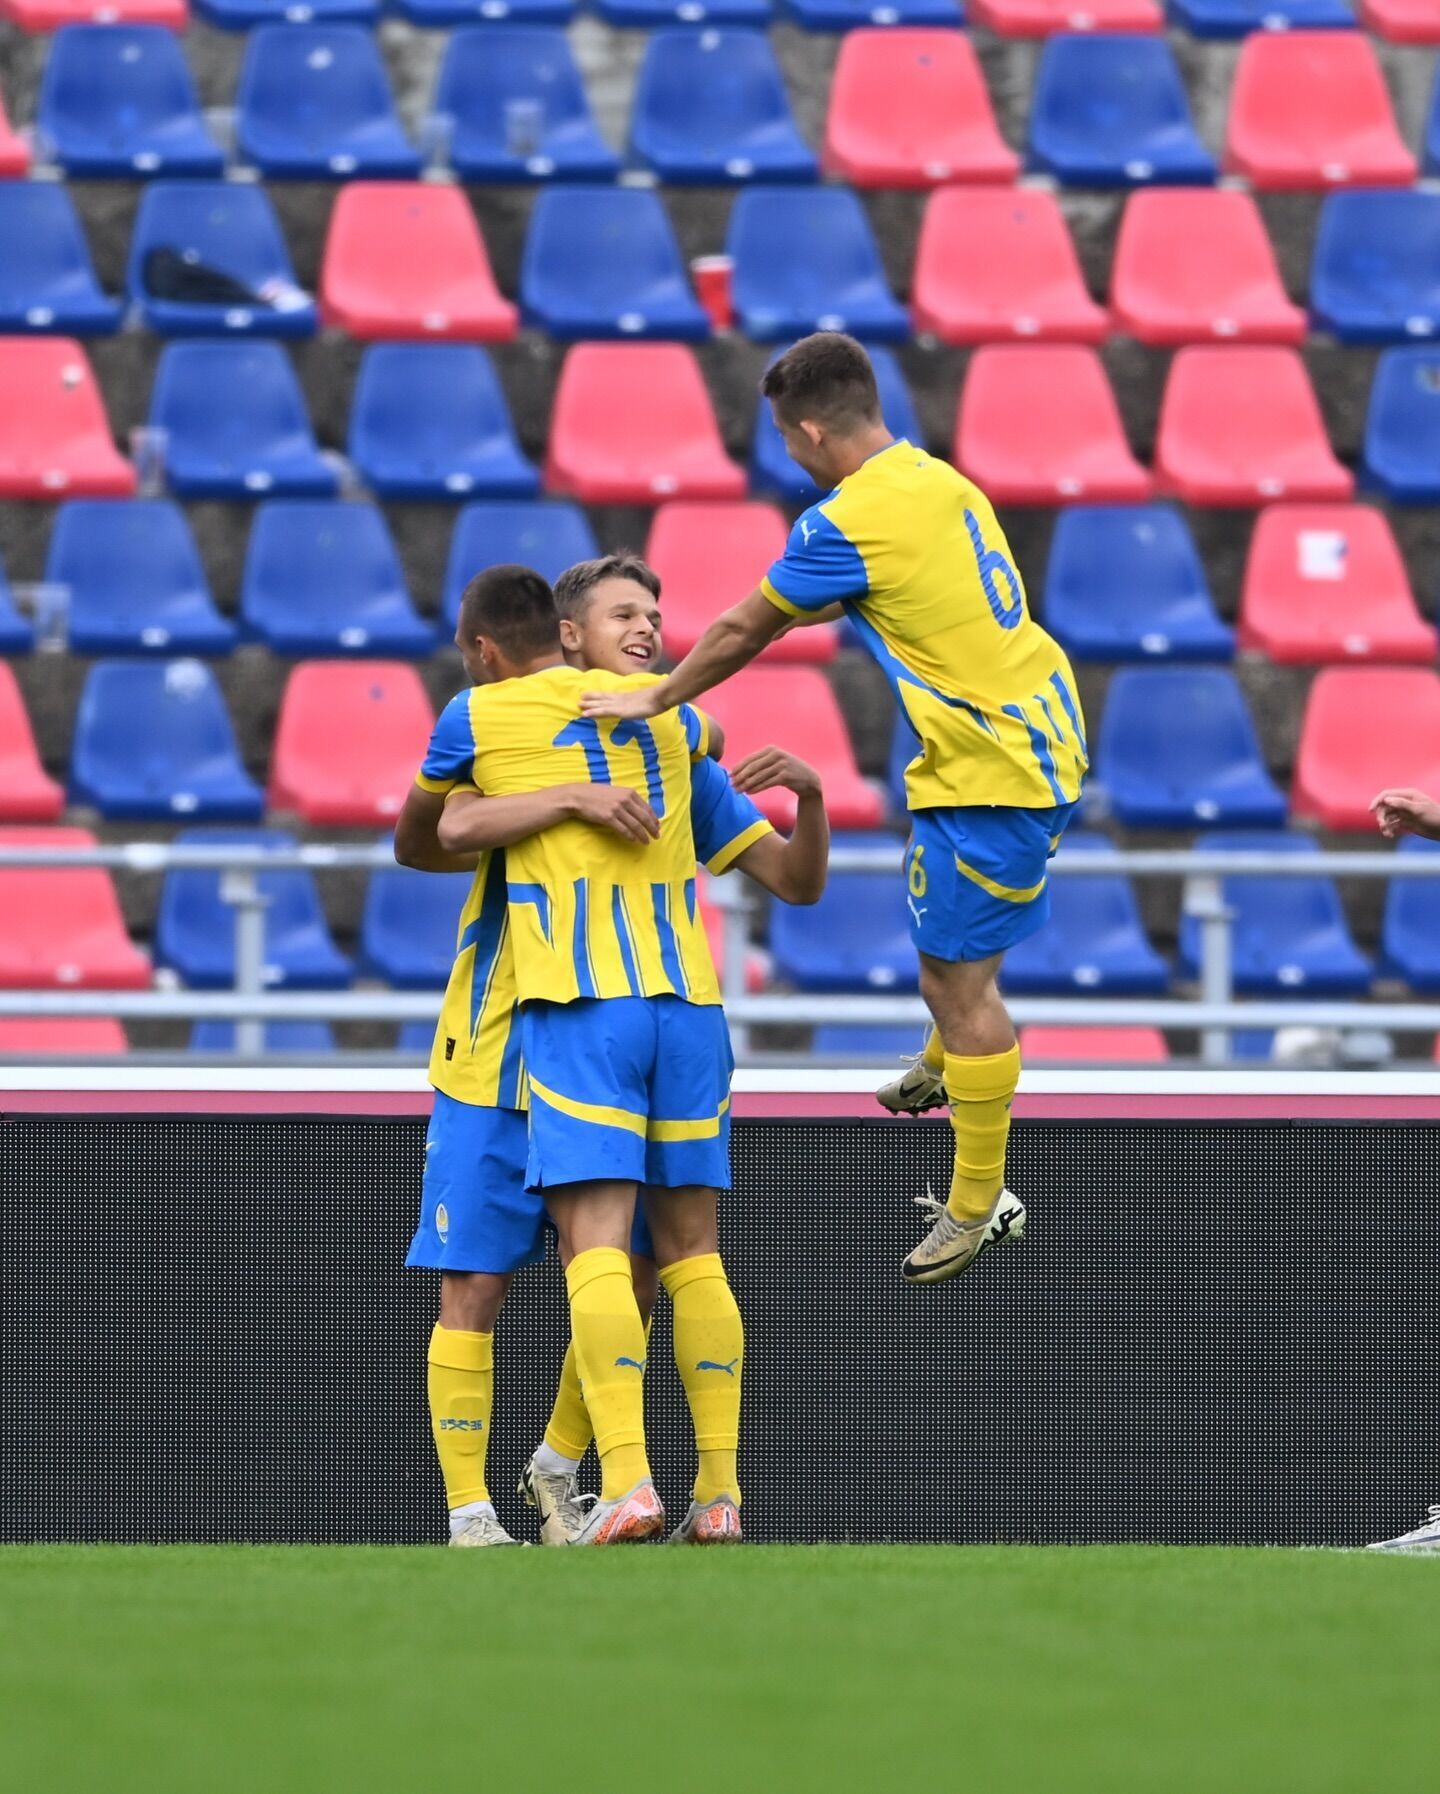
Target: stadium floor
826, 1668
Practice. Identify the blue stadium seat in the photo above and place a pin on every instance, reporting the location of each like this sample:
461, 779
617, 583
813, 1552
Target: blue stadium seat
1375, 277
136, 581
1094, 940
118, 101
850, 15
547, 534
807, 260
1289, 936
1111, 111
315, 104
1178, 749
228, 228
195, 927
711, 107
1402, 427
47, 280
1432, 132
1252, 1043
1124, 582
857, 937
316, 1039
1238, 18
773, 473
153, 739
514, 108
443, 15
866, 1046
409, 925
245, 15
429, 420
235, 423
603, 262
17, 636
648, 15
1410, 932
416, 1037
322, 577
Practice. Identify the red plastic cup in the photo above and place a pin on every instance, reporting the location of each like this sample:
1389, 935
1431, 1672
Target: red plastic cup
712, 276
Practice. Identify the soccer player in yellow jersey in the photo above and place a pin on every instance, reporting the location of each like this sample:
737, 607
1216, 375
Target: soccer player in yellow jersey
913, 553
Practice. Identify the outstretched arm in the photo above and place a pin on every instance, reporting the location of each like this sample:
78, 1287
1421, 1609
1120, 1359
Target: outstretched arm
731, 642
1404, 811
793, 870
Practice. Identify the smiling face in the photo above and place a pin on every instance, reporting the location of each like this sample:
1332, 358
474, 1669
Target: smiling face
617, 629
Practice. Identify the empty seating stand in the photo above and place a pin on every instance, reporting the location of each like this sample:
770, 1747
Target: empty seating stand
315, 105
17, 634
646, 15
409, 925
1044, 18
794, 707
52, 15
61, 926
1028, 283
1238, 18
850, 15
711, 106
429, 421
118, 101
245, 15
316, 1040
1402, 21
603, 262
14, 150
1094, 940
189, 232
857, 937
1092, 1046
773, 472
510, 106
47, 280
1328, 583
1410, 928
54, 435
807, 260
547, 534
1113, 112
441, 15
859, 1045
27, 794
1365, 728
1375, 277
1402, 427
633, 423
35, 1037
348, 741
1242, 426
406, 260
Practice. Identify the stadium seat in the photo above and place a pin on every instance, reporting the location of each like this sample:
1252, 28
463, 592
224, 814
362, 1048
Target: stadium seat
47, 280
1242, 426
61, 1036
316, 1039
409, 926
153, 740
26, 793
208, 258
1375, 277
1402, 427
415, 1037
1124, 582
348, 742
1289, 936
1310, 109
442, 15
1093, 1046
1402, 21
860, 1045
1410, 928
245, 15
14, 149
647, 15
850, 15
1043, 18
53, 15
235, 423
1178, 750
712, 920
62, 925
322, 577
711, 107
1327, 582
118, 100
708, 557
54, 435
794, 707
314, 104
773, 473
632, 424
1040, 426
909, 108
195, 927
603, 262
1027, 284
135, 580
511, 107
1094, 941
1113, 112
1238, 18
429, 420
1194, 265
547, 534
806, 259
1365, 728
857, 937
407, 260
17, 633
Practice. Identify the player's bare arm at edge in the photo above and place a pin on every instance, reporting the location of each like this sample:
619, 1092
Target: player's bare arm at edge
417, 835
1404, 811
472, 822
793, 870
731, 642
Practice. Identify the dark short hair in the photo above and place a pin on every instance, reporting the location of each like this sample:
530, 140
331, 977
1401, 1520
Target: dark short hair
826, 378
515, 608
576, 584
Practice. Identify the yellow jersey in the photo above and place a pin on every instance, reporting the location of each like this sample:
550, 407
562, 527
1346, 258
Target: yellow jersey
913, 551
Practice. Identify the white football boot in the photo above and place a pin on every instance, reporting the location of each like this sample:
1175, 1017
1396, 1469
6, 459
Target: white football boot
1423, 1538
480, 1529
952, 1246
917, 1089
553, 1494
630, 1520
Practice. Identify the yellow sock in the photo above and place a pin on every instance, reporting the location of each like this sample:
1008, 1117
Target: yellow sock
609, 1346
709, 1353
934, 1054
569, 1431
460, 1378
979, 1092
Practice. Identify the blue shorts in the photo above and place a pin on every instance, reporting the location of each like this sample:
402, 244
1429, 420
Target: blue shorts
475, 1212
631, 1088
976, 877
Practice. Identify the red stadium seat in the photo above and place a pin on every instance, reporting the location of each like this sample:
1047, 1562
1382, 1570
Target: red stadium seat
50, 15
1327, 582
405, 259
1115, 1046
46, 1037
14, 150
715, 934
1310, 109
1043, 18
1193, 264
1242, 427
633, 423
909, 108
54, 435
708, 558
794, 708
1040, 426
1026, 284
1365, 728
1403, 21
62, 926
349, 741
26, 794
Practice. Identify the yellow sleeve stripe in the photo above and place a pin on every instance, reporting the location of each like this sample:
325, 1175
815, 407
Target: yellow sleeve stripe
436, 787
731, 851
780, 601
1006, 892
600, 1114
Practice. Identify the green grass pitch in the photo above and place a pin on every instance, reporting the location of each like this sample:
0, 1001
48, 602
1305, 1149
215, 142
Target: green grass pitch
253, 1669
